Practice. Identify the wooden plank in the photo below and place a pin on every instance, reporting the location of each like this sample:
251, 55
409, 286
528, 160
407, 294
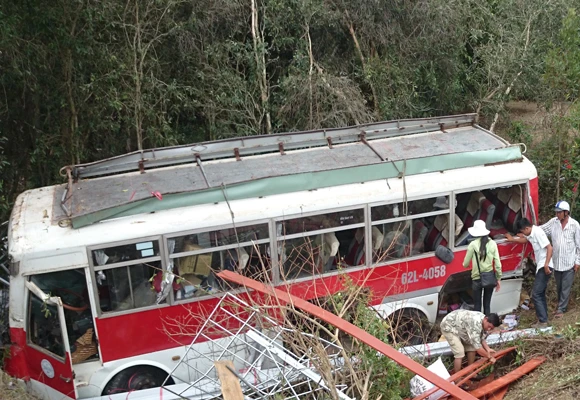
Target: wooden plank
345, 326
499, 395
508, 378
467, 372
231, 389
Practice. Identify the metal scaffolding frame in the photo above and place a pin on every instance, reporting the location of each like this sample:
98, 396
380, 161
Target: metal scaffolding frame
245, 335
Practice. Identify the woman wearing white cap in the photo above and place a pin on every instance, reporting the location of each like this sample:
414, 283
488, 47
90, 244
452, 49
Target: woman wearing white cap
483, 255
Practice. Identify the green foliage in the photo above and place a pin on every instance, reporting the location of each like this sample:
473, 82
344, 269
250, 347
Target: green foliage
83, 81
388, 379
518, 132
563, 60
4, 203
570, 332
570, 168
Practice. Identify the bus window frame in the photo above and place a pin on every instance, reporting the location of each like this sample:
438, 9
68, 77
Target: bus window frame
411, 217
206, 229
94, 269
281, 238
525, 199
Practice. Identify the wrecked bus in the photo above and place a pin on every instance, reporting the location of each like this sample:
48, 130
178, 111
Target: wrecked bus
101, 263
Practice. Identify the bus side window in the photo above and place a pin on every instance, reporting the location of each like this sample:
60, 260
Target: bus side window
500, 208
396, 241
326, 242
411, 236
128, 287
243, 249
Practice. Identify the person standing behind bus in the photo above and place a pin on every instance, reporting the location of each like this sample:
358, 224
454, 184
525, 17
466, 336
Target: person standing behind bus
544, 266
483, 255
565, 234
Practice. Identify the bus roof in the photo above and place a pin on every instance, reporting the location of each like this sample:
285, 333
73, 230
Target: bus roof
48, 243
266, 165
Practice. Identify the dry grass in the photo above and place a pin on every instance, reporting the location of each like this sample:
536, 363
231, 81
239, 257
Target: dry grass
559, 377
11, 389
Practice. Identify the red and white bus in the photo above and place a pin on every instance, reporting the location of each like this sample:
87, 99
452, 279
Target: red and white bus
94, 262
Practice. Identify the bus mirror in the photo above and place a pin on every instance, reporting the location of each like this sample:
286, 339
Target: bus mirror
444, 254
14, 268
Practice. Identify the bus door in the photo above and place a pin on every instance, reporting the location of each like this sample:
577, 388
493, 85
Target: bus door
48, 352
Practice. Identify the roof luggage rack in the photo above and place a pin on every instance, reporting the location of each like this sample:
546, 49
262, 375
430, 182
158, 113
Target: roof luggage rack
258, 166
260, 144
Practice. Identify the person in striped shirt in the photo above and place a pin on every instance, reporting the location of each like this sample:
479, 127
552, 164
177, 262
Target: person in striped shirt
564, 231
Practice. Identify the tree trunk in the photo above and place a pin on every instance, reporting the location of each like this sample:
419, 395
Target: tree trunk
260, 57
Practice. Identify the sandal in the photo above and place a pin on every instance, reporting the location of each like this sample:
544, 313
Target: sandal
558, 315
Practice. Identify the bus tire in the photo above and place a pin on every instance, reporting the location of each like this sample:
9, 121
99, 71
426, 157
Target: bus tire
136, 378
409, 327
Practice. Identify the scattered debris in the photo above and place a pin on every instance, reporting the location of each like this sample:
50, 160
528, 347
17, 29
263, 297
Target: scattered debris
419, 385
489, 386
437, 349
347, 327
509, 377
251, 343
467, 373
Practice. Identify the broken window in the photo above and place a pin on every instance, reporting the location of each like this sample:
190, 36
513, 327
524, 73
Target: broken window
125, 288
321, 243
500, 208
126, 275
407, 229
198, 257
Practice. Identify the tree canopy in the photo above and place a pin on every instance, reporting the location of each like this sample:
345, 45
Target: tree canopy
84, 80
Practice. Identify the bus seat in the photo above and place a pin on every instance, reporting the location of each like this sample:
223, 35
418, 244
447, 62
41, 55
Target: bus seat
330, 245
418, 240
433, 239
508, 209
356, 248
396, 245
472, 210
486, 212
243, 258
377, 237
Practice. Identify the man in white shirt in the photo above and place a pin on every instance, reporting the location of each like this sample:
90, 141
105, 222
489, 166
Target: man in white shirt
544, 266
564, 231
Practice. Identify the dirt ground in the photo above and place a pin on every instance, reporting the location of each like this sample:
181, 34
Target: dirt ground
559, 377
533, 116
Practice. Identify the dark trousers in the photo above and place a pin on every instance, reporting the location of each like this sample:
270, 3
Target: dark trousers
564, 281
477, 291
539, 294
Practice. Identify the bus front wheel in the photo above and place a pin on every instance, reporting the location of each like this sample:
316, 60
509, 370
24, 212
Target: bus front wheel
409, 327
136, 378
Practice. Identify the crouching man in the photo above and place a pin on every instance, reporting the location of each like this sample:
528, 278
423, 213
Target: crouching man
465, 331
